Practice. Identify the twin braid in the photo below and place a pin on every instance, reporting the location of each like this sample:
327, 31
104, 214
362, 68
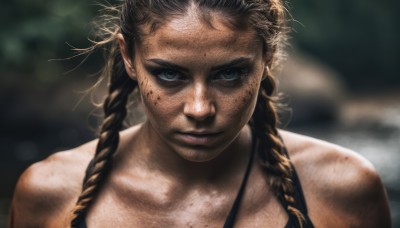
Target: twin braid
265, 121
120, 87
271, 152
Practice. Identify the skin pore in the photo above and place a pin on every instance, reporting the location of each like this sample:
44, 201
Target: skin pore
182, 167
199, 86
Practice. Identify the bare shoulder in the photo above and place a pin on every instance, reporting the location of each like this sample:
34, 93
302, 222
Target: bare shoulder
341, 187
47, 191
47, 187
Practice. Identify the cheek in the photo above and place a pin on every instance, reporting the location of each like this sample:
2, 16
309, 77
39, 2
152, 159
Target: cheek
157, 107
249, 95
241, 105
149, 94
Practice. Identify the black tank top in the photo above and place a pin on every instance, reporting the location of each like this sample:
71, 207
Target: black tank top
230, 220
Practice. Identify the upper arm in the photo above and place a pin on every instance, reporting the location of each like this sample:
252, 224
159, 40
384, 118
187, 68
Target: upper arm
363, 197
33, 202
342, 189
46, 189
353, 191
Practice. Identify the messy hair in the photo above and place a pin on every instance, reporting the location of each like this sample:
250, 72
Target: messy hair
135, 19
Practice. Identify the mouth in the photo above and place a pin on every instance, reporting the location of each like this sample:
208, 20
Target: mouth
198, 137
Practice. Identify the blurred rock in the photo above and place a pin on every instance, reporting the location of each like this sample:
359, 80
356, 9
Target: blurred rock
314, 91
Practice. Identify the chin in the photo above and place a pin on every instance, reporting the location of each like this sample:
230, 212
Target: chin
199, 154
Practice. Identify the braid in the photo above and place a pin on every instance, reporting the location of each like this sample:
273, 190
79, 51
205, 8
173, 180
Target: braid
273, 159
120, 87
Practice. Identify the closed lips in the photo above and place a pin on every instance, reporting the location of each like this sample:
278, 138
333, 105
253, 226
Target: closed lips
195, 134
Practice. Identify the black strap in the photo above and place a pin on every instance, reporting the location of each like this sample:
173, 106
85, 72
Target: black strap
300, 203
230, 220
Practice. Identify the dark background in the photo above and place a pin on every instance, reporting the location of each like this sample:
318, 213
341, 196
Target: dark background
349, 47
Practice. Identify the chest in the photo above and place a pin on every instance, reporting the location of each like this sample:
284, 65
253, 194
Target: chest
257, 209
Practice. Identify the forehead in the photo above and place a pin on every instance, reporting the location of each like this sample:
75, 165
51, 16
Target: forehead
189, 35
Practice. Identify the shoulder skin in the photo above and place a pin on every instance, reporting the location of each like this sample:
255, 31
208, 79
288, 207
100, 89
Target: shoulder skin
47, 191
341, 188
49, 188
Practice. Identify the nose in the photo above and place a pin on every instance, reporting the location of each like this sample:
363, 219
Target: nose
198, 105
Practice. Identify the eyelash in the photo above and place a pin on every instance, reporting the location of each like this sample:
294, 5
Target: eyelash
241, 73
158, 72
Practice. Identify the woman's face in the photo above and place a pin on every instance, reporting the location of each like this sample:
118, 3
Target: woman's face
198, 83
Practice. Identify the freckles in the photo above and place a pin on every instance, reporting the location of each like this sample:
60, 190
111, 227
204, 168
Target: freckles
249, 93
149, 94
247, 96
146, 89
146, 47
144, 85
153, 97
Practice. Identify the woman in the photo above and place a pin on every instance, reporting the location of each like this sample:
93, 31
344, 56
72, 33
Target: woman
209, 153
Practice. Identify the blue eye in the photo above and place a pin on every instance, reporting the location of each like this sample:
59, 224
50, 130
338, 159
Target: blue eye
168, 75
231, 75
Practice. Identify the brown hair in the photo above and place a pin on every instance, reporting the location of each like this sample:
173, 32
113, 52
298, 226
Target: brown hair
268, 19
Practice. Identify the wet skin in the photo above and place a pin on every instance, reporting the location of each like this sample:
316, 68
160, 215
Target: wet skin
184, 165
198, 83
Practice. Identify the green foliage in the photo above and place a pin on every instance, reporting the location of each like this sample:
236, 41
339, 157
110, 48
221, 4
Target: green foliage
359, 38
32, 32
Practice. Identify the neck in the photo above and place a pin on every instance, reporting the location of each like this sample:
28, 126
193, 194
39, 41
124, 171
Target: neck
149, 152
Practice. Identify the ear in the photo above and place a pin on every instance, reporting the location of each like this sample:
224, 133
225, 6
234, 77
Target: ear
128, 63
266, 72
267, 63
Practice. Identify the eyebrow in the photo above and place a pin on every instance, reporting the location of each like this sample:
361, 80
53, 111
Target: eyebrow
167, 64
231, 63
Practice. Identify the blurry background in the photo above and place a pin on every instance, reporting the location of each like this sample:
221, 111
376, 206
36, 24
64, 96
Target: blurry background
342, 82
